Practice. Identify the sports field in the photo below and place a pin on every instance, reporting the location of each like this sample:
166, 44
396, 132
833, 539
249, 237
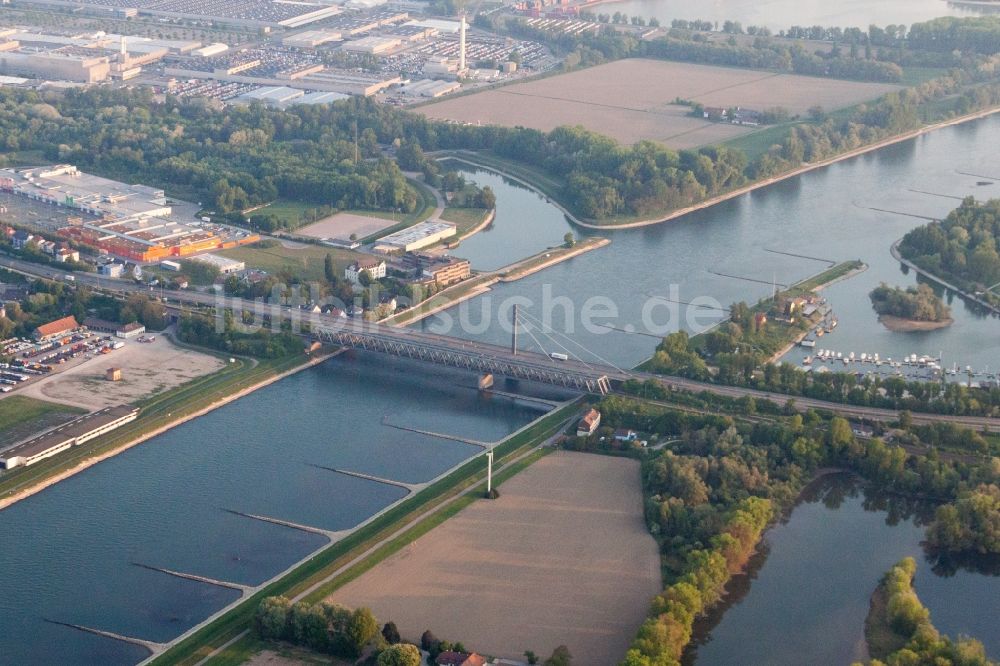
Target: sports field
631, 100
344, 225
562, 557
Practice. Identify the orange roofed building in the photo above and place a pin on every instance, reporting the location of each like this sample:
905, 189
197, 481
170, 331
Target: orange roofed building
55, 329
588, 424
450, 658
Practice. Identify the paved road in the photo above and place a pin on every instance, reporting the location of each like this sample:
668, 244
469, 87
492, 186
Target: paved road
530, 359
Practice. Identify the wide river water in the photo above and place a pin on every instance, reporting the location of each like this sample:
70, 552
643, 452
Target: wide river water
782, 14
69, 552
735, 251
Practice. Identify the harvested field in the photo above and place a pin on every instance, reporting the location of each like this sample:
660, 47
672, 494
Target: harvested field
631, 100
342, 225
147, 368
563, 557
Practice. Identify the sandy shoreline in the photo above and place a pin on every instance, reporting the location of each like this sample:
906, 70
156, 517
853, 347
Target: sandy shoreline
901, 325
93, 460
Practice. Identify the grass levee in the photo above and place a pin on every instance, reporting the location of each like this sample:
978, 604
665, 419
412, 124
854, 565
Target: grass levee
201, 643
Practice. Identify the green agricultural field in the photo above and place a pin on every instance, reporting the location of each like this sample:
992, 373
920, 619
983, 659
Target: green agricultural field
302, 260
21, 417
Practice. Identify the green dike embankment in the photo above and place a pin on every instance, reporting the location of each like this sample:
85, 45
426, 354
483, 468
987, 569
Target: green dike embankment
158, 414
479, 284
405, 520
551, 189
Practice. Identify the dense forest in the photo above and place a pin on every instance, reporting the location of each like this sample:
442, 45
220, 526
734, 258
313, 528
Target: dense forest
720, 480
962, 248
202, 331
918, 303
969, 525
229, 159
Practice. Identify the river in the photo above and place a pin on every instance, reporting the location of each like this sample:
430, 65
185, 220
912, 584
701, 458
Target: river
782, 14
67, 552
806, 597
825, 214
808, 600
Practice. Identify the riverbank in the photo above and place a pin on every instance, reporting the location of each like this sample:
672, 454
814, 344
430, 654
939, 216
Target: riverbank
901, 325
542, 260
480, 284
140, 430
308, 578
894, 251
463, 156
479, 226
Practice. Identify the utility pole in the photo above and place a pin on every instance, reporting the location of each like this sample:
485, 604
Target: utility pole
489, 472
513, 337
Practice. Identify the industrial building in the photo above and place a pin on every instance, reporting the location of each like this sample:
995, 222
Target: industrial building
372, 45
214, 49
430, 88
225, 265
416, 237
320, 97
129, 331
64, 64
310, 39
250, 13
128, 221
71, 434
272, 95
89, 58
56, 329
119, 330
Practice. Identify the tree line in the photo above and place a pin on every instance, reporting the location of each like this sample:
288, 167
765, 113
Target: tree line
48, 300
962, 248
918, 303
735, 363
712, 490
913, 639
322, 627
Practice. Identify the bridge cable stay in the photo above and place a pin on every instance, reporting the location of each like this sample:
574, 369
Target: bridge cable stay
572, 341
528, 325
553, 340
527, 330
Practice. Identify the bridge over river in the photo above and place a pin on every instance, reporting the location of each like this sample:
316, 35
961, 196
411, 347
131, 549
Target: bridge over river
475, 356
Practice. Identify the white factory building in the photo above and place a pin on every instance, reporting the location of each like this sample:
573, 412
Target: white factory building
225, 265
416, 237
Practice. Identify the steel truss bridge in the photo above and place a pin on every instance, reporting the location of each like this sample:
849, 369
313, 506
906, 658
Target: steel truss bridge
474, 356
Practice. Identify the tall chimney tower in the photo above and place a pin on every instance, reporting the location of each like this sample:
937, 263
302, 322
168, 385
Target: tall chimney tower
124, 51
461, 43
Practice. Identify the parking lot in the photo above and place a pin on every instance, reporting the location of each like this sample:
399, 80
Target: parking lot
33, 361
147, 368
